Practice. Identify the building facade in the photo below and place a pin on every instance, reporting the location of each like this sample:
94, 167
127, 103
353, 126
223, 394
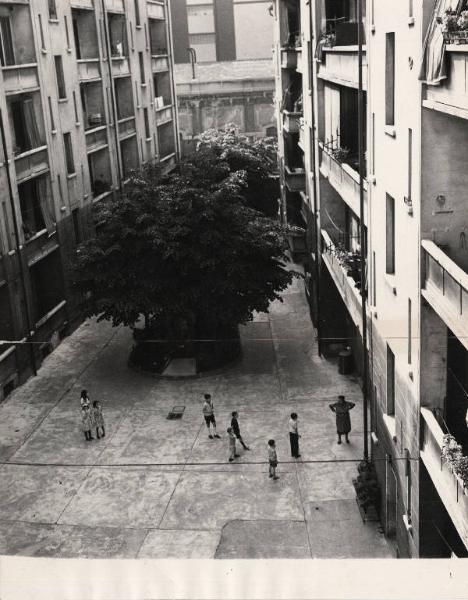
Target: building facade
373, 168
222, 30
86, 95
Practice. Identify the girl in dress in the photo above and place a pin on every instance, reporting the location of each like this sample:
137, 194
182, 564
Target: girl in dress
98, 419
86, 422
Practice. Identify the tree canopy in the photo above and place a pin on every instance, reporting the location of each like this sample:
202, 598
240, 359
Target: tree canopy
185, 245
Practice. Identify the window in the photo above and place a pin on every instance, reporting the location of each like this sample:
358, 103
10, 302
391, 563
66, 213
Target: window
409, 330
390, 382
142, 67
390, 235
408, 484
390, 79
137, 13
52, 10
69, 153
410, 162
67, 33
76, 35
35, 210
77, 120
76, 225
373, 143
25, 125
6, 220
374, 280
410, 9
147, 127
62, 93
7, 47
41, 31
373, 420
52, 120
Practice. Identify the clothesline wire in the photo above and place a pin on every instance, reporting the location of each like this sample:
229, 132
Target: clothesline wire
196, 464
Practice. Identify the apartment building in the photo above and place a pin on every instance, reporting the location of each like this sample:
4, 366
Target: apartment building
86, 95
373, 168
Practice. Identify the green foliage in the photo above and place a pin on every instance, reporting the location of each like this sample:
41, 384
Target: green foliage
227, 151
184, 250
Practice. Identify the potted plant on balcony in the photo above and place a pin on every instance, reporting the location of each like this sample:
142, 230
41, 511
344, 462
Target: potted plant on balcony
461, 470
455, 27
451, 451
340, 154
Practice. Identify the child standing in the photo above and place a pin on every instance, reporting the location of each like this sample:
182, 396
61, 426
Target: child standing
232, 444
86, 422
272, 459
84, 399
98, 419
208, 413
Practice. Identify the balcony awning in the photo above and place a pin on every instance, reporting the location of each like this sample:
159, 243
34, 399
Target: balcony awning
433, 67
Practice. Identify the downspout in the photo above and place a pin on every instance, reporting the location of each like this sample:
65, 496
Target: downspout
361, 146
317, 228
112, 91
18, 246
171, 75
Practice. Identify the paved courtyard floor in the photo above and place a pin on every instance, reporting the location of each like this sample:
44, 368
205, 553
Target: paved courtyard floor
159, 488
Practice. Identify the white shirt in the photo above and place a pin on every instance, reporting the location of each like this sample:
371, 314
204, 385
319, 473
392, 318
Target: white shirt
293, 426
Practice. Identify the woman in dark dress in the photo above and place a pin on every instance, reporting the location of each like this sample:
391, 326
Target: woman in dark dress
343, 421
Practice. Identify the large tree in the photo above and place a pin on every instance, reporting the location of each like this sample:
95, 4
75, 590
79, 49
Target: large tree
185, 251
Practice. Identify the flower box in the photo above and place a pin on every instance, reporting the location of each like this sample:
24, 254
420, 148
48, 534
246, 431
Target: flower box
456, 37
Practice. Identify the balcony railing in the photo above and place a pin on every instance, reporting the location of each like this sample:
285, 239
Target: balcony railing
340, 65
89, 69
451, 95
120, 66
446, 483
20, 78
288, 58
96, 139
345, 180
155, 10
163, 115
159, 63
299, 62
291, 121
345, 284
295, 178
126, 127
40, 245
88, 4
115, 6
445, 287
31, 163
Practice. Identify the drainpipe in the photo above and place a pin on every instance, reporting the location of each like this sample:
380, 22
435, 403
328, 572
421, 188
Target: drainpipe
361, 146
170, 53
193, 60
317, 229
112, 91
18, 247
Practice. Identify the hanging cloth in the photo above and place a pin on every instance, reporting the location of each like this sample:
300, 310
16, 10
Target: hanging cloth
45, 198
31, 128
433, 67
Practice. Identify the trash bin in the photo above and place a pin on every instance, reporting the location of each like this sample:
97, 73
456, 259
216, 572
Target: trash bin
345, 362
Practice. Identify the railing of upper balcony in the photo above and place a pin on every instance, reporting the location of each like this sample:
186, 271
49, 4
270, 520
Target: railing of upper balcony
447, 279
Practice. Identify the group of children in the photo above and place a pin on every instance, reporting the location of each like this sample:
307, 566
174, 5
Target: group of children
234, 434
91, 417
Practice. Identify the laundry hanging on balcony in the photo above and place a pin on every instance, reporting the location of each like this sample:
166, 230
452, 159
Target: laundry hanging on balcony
433, 67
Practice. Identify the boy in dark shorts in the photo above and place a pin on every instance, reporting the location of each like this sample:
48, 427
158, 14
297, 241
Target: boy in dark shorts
208, 413
272, 459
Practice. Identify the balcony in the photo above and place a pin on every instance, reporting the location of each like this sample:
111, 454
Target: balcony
446, 483
155, 10
294, 178
126, 128
445, 288
20, 78
340, 66
163, 115
96, 139
451, 96
40, 246
345, 180
291, 121
159, 63
115, 6
120, 66
82, 4
345, 283
89, 69
31, 163
288, 58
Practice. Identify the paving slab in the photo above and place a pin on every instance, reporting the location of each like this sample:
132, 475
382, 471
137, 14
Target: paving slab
180, 544
37, 494
208, 500
61, 541
264, 539
126, 497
